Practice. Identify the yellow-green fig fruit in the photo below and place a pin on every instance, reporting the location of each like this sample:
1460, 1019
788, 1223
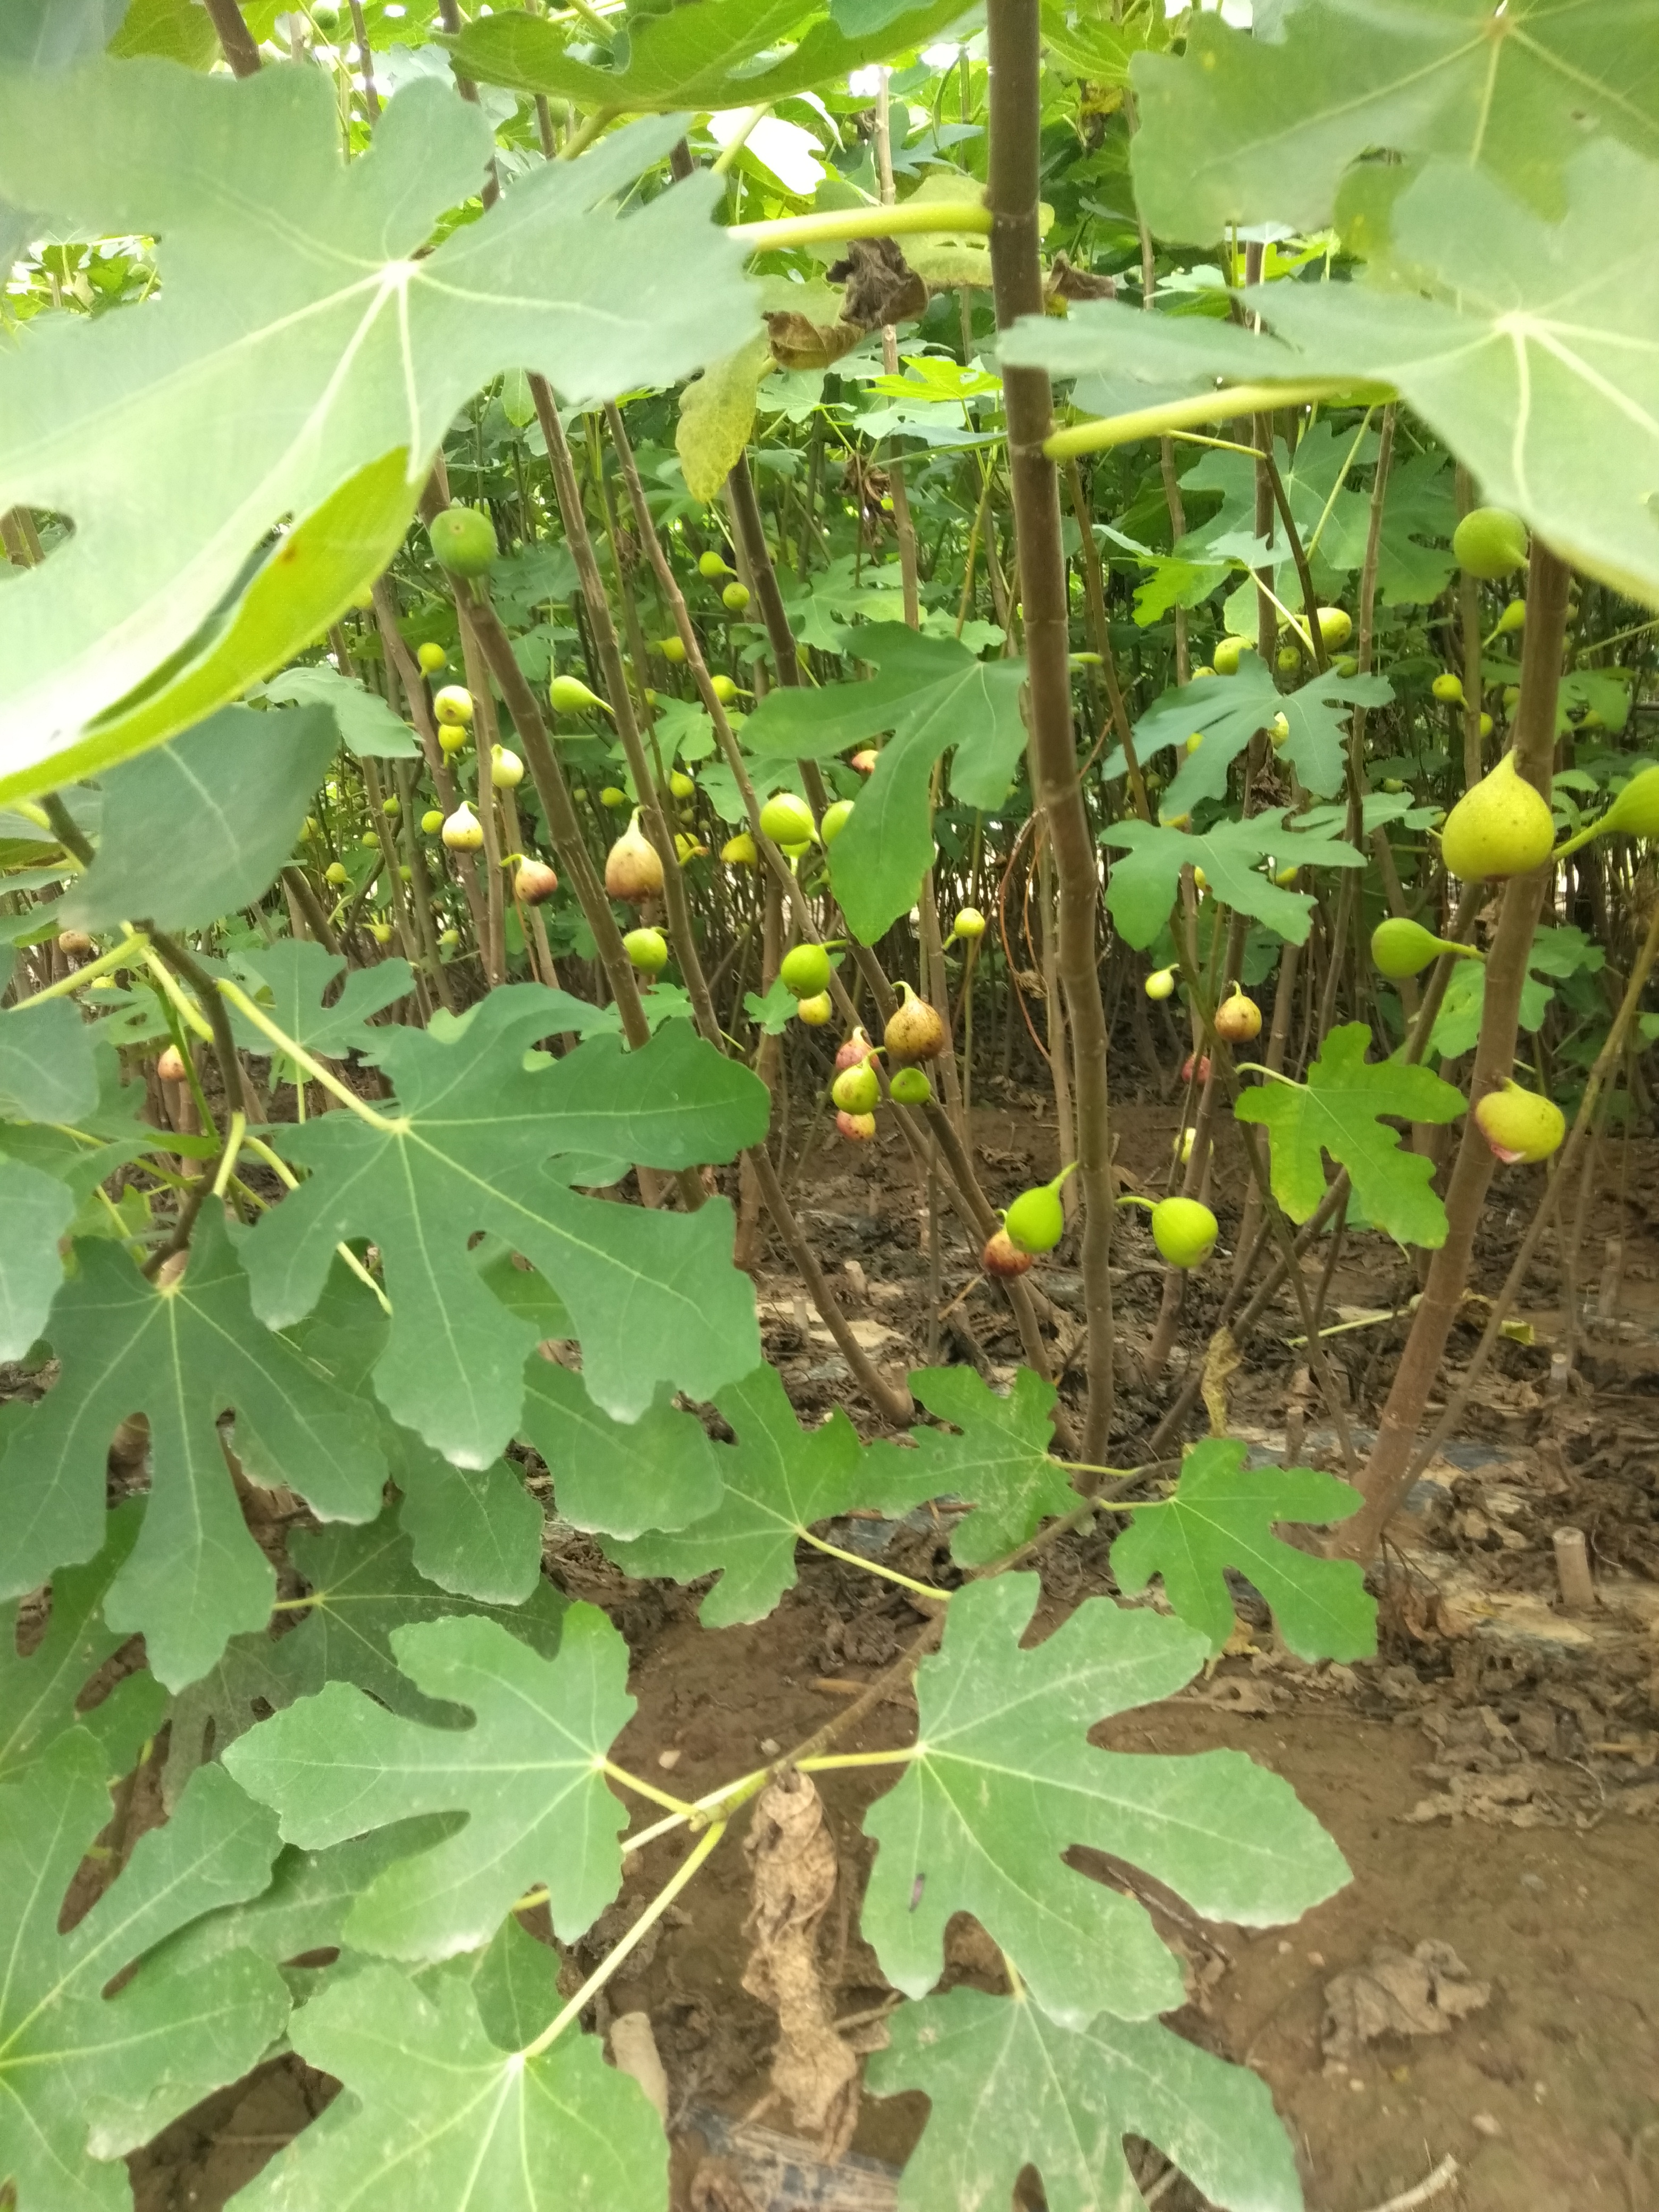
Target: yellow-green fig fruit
1335, 626
711, 565
723, 689
740, 852
836, 816
1448, 689
568, 694
453, 704
506, 769
1636, 809
1519, 1125
431, 657
910, 1087
647, 949
1501, 828
814, 1012
735, 599
1036, 1221
463, 832
1489, 543
1402, 947
805, 969
463, 541
1229, 652
969, 924
1160, 983
431, 821
786, 820
1184, 1231
856, 1089
672, 650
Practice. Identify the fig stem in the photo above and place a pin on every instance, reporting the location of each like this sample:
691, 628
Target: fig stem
874, 1567
285, 1174
831, 224
313, 1067
641, 1788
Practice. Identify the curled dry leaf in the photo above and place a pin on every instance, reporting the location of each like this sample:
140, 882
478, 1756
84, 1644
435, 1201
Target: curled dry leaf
793, 1879
1398, 1993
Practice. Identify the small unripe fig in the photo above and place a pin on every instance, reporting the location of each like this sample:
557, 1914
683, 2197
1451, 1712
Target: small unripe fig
835, 818
1514, 617
335, 873
910, 1087
534, 883
613, 796
405, 873
75, 942
1288, 659
671, 650
865, 760
1200, 1063
453, 703
647, 949
857, 1128
1636, 809
735, 598
633, 866
1184, 1231
170, 1066
1402, 947
1201, 672
1002, 1256
381, 931
1183, 1145
1448, 688
1229, 652
448, 940
786, 820
805, 969
968, 925
1237, 1018
452, 736
814, 1012
506, 769
1489, 543
1502, 827
1278, 730
463, 541
913, 1029
688, 848
723, 689
1485, 726
1344, 664
1519, 1125
1036, 1221
1391, 783
392, 806
1191, 743
1335, 625
369, 837
856, 1089
681, 786
711, 566
463, 832
1201, 881
1284, 876
431, 657
1160, 983
740, 852
856, 1050
568, 694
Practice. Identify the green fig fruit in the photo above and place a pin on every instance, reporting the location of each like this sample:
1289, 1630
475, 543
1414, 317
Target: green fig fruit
1160, 983
836, 819
1229, 652
723, 689
1489, 543
672, 650
814, 1012
431, 657
1636, 808
910, 1087
711, 565
1335, 626
1402, 947
786, 820
647, 949
681, 785
1184, 1231
1448, 688
1036, 1221
735, 599
968, 925
568, 694
453, 704
1514, 617
463, 540
856, 1089
740, 852
1519, 1125
613, 796
1500, 828
805, 969
431, 821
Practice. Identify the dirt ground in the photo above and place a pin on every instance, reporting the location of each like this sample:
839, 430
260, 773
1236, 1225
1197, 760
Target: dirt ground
1493, 1778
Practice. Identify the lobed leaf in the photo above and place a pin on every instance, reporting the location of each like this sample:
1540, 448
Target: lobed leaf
1222, 1514
998, 1461
1142, 886
1004, 1781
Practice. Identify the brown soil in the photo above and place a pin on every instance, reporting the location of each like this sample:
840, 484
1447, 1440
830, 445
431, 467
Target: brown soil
1492, 1778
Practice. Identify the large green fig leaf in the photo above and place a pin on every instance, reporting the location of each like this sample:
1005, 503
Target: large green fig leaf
1143, 883
230, 795
1009, 2087
46, 1064
288, 980
1337, 1111
616, 1478
1531, 347
360, 1584
465, 1146
438, 2114
692, 55
932, 694
1005, 1781
528, 1775
82, 2073
38, 1693
180, 1353
1227, 714
1221, 1514
36, 1209
1246, 129
302, 338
